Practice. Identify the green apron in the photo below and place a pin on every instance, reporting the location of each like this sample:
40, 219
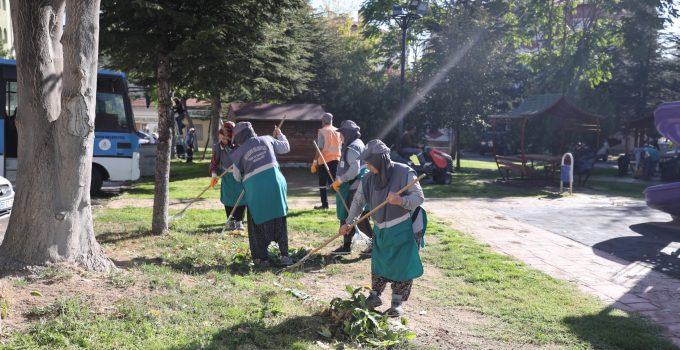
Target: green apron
230, 190
340, 210
395, 253
266, 195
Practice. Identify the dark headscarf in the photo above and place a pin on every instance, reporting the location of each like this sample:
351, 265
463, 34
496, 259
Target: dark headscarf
378, 155
243, 131
350, 132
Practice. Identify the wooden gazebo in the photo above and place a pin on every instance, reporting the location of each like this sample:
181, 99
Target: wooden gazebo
571, 119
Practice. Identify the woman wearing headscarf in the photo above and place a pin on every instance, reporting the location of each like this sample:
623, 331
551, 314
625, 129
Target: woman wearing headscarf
395, 258
348, 178
230, 188
255, 166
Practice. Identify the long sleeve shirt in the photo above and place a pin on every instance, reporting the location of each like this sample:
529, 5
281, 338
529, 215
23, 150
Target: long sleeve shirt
279, 145
412, 199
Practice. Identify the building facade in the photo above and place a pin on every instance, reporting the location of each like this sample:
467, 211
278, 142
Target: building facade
6, 31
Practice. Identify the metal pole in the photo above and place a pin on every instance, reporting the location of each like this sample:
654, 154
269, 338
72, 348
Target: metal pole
404, 27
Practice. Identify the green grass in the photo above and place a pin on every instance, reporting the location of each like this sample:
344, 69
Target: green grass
202, 293
188, 180
195, 288
229, 302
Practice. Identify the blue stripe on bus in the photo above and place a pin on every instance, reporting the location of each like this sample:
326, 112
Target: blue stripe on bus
8, 62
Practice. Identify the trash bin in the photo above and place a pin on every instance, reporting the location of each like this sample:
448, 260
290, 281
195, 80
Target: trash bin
668, 170
623, 163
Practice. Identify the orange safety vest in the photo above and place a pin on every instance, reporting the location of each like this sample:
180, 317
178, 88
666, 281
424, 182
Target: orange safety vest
331, 144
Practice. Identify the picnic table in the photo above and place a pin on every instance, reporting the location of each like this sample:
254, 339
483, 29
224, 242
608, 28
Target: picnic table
525, 165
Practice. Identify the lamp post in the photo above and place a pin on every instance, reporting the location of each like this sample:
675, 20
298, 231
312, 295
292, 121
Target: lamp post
404, 18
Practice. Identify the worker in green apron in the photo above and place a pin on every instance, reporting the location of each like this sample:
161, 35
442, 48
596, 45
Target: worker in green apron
350, 171
395, 258
230, 189
255, 166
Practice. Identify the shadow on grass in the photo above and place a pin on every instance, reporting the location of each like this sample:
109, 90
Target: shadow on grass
115, 237
292, 333
612, 329
186, 266
238, 265
139, 190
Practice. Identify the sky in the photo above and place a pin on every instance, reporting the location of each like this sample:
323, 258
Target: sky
340, 6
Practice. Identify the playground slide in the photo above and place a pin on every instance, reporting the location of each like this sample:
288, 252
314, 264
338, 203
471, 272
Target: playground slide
666, 197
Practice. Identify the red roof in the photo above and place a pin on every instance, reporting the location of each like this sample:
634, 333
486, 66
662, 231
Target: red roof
265, 111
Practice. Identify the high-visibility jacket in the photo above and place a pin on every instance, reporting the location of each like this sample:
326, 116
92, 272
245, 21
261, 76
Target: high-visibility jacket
330, 143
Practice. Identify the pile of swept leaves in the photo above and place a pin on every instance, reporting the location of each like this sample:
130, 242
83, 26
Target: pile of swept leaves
352, 320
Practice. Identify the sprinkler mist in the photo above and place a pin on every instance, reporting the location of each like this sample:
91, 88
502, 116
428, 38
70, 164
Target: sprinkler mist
421, 93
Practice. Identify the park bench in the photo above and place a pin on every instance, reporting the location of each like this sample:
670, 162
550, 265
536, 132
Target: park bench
508, 164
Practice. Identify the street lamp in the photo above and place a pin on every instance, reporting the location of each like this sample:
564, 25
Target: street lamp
405, 16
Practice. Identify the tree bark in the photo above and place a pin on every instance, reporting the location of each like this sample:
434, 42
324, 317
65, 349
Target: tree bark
57, 82
458, 147
216, 106
166, 124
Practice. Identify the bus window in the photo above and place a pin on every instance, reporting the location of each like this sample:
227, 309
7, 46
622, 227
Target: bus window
11, 90
110, 115
10, 119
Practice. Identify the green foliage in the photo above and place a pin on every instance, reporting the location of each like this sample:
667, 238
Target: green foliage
353, 320
240, 48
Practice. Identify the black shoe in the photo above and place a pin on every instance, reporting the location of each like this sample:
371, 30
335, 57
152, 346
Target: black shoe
342, 251
321, 207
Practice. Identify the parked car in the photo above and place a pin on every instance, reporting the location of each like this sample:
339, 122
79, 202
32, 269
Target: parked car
145, 138
6, 197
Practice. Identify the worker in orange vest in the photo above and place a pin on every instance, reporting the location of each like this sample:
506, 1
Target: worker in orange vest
329, 141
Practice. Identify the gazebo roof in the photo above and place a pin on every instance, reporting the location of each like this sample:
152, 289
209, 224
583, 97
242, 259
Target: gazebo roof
572, 117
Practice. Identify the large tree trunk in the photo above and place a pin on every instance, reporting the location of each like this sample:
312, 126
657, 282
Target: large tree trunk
216, 106
52, 218
166, 125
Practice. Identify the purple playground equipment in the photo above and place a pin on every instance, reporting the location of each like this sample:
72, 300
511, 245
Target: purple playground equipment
666, 197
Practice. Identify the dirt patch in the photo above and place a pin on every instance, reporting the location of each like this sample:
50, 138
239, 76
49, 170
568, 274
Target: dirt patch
435, 326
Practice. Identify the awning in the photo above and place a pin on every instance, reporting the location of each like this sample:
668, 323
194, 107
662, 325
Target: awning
572, 118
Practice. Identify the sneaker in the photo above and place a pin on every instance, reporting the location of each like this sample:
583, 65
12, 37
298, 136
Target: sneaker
367, 251
321, 207
238, 226
286, 261
342, 251
373, 300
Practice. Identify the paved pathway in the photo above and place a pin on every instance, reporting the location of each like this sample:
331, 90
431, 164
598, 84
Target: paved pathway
631, 286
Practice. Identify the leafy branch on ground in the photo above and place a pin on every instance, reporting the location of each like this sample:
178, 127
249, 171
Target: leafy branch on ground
353, 320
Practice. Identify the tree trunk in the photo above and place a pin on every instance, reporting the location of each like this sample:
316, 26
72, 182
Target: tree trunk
52, 217
166, 125
207, 140
216, 106
458, 147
